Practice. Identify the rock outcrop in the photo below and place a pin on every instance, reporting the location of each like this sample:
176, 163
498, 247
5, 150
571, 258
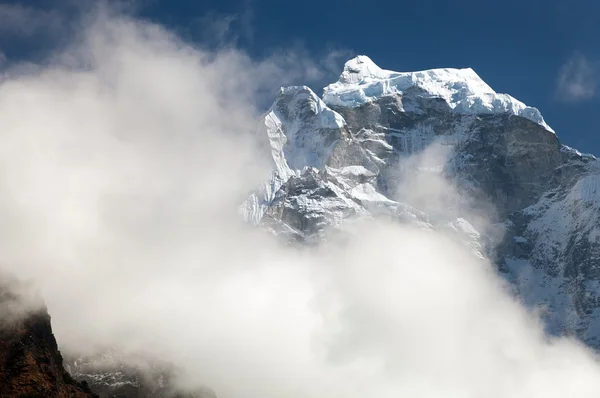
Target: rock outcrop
30, 363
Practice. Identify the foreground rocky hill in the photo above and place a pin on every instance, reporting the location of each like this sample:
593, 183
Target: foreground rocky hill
30, 363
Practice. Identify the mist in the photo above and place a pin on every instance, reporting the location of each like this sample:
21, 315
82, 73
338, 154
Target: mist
122, 163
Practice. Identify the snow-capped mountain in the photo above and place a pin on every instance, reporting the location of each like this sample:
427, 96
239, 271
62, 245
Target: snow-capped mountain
337, 157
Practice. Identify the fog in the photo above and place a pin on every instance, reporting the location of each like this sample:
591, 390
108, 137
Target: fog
122, 162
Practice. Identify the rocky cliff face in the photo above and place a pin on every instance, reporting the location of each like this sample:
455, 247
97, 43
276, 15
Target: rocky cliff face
30, 363
348, 151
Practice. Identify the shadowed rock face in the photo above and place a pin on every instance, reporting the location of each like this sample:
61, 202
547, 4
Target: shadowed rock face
512, 160
30, 362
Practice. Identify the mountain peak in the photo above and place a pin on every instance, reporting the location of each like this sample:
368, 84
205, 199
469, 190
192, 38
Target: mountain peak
359, 69
362, 81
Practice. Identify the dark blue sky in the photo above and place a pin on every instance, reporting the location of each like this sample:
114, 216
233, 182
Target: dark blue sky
517, 46
544, 52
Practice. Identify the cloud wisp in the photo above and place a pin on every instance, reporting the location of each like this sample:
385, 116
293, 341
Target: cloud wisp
578, 79
121, 167
17, 20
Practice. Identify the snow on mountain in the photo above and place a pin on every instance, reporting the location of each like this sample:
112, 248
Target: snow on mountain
362, 81
555, 262
579, 208
302, 132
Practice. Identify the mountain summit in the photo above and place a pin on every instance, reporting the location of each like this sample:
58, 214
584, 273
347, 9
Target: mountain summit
362, 81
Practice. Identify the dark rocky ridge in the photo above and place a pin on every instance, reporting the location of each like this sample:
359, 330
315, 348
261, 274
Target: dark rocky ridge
30, 363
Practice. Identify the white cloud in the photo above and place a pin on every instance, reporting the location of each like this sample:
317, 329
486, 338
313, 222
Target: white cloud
578, 79
121, 167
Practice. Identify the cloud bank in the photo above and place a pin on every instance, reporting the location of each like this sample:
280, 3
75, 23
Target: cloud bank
121, 167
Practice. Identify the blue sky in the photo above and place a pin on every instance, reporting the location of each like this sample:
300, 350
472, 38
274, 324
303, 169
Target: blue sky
545, 53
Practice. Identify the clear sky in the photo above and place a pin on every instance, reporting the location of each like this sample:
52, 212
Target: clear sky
546, 53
